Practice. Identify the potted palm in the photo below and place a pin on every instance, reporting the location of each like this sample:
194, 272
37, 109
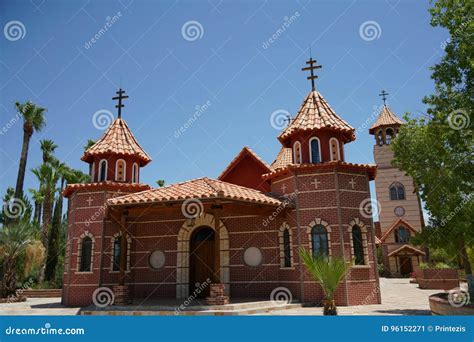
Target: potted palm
328, 271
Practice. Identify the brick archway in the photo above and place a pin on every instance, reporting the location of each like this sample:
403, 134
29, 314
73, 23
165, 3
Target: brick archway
182, 260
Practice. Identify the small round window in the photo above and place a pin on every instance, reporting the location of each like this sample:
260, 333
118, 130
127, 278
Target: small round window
253, 256
156, 259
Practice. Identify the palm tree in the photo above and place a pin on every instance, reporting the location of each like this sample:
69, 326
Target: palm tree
38, 198
47, 148
14, 241
33, 120
328, 272
88, 145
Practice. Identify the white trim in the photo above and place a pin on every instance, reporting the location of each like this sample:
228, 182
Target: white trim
124, 170
295, 160
79, 252
135, 173
311, 150
337, 148
281, 241
100, 170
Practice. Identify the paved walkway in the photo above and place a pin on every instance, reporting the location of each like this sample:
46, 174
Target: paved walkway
399, 297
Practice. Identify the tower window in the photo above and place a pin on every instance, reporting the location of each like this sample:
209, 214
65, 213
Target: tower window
286, 248
334, 146
315, 150
135, 173
388, 135
397, 191
120, 170
358, 245
86, 254
103, 170
380, 137
297, 153
402, 235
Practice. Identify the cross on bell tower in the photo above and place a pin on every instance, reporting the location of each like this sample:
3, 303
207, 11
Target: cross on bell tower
120, 97
312, 66
384, 94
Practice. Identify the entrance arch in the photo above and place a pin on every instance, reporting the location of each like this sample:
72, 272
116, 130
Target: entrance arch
185, 235
202, 253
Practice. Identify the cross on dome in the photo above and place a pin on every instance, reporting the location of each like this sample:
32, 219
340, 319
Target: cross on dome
312, 66
384, 94
120, 97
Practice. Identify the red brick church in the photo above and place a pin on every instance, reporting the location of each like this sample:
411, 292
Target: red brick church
238, 235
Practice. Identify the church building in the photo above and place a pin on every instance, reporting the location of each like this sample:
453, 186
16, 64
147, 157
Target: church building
237, 236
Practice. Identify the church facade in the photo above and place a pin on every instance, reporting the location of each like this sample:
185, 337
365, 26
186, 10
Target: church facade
235, 237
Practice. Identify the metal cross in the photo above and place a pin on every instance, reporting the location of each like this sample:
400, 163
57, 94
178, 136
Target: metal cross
89, 201
384, 96
315, 182
311, 62
288, 120
120, 97
352, 183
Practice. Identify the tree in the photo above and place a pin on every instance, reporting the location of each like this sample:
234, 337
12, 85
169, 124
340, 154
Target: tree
38, 198
88, 145
47, 148
437, 151
160, 182
14, 241
328, 272
33, 120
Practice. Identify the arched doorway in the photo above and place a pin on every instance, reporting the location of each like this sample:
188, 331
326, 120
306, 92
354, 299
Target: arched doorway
201, 260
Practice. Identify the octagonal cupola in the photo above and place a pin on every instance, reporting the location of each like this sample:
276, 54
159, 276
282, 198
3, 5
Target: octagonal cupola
385, 128
116, 156
316, 134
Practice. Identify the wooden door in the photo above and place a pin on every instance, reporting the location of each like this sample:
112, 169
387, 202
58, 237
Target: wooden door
201, 263
405, 265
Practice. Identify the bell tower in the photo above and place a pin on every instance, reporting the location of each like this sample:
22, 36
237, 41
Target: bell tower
400, 215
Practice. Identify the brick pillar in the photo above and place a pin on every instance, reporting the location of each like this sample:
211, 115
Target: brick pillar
122, 294
217, 296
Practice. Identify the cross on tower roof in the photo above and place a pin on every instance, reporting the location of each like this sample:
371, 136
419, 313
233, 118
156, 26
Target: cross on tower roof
120, 97
312, 66
288, 120
384, 96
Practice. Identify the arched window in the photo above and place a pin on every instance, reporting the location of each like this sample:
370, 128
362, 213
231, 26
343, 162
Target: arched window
103, 170
358, 245
116, 255
314, 150
86, 255
286, 248
402, 235
319, 237
297, 153
135, 173
388, 135
334, 146
120, 170
380, 137
397, 191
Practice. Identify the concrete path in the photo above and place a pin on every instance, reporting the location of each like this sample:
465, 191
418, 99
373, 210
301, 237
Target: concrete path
399, 297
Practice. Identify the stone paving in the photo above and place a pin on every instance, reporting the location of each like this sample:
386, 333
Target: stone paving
399, 297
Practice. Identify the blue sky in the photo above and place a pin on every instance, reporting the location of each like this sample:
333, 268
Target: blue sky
229, 65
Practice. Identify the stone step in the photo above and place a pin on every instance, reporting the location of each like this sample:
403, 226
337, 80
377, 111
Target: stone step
42, 293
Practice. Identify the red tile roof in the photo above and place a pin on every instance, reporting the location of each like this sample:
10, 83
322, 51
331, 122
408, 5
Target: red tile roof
107, 185
370, 168
118, 139
411, 249
396, 224
245, 151
314, 114
284, 158
200, 188
385, 118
